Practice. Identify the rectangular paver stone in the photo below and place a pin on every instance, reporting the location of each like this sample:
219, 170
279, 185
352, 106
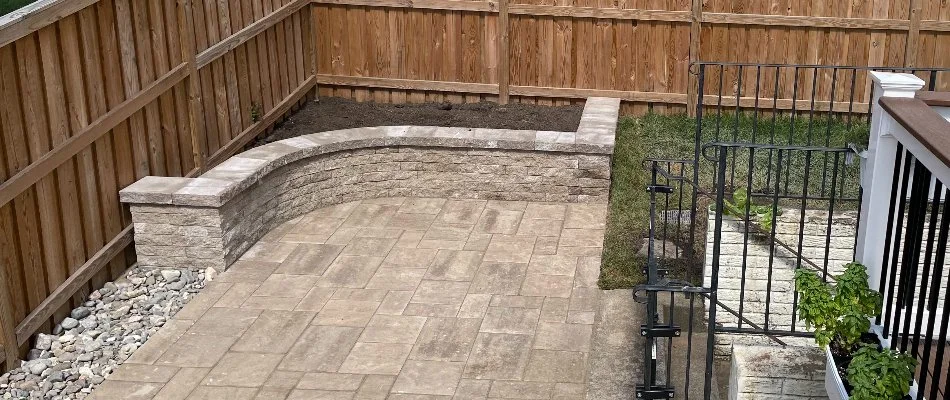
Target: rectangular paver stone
243, 369
393, 329
350, 271
499, 278
376, 358
330, 381
446, 339
428, 377
454, 265
320, 349
273, 332
310, 259
194, 350
511, 320
498, 356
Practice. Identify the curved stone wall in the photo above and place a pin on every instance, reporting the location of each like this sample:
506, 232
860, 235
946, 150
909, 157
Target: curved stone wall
211, 220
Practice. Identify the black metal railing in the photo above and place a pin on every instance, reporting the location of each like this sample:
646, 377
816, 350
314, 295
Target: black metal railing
914, 276
791, 105
765, 227
676, 228
789, 135
673, 329
774, 185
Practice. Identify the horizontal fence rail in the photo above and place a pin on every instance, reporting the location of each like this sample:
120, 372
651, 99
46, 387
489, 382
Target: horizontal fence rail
95, 94
537, 52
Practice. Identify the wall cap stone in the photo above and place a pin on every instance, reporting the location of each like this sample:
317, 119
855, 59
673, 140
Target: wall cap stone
595, 135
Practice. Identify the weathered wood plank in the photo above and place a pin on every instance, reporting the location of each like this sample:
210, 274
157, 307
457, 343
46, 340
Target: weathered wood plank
407, 84
267, 121
58, 297
37, 16
455, 5
504, 56
806, 21
231, 42
84, 137
600, 13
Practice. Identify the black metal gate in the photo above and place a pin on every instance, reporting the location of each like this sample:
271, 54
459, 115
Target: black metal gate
772, 185
665, 332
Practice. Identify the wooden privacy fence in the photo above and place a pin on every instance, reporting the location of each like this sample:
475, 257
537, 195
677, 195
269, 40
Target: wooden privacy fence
550, 51
95, 94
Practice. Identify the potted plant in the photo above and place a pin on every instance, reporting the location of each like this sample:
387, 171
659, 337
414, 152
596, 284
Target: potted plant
858, 367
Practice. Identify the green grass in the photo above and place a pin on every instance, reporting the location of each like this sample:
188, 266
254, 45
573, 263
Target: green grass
673, 137
7, 6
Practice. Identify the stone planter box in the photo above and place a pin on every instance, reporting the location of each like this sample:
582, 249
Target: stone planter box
209, 221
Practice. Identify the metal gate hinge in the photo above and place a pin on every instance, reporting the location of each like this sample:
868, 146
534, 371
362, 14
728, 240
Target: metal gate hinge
654, 392
660, 331
660, 188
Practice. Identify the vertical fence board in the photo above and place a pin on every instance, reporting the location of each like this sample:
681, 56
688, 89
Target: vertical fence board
70, 77
539, 51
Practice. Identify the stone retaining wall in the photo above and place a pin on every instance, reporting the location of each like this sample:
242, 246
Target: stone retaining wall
211, 220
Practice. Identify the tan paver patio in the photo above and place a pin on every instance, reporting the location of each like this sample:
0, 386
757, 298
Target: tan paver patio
399, 298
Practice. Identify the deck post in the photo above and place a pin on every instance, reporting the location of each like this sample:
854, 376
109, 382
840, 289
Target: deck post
877, 170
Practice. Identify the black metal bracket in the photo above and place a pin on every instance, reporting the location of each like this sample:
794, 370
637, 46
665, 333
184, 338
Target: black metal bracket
659, 189
654, 392
660, 331
660, 272
668, 286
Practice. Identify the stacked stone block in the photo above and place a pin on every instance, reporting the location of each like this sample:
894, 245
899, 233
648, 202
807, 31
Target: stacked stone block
775, 373
211, 220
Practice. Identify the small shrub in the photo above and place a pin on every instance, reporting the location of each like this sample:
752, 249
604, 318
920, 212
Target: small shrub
841, 312
880, 374
762, 215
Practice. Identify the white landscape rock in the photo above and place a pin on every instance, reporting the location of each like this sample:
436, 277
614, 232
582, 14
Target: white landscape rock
100, 334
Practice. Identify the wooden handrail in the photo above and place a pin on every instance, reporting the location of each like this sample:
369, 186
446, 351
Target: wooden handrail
922, 122
935, 99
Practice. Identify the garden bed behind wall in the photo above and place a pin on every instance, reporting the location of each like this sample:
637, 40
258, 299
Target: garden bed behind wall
331, 113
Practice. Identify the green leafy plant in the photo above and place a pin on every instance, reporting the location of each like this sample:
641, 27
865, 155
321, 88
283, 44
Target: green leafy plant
841, 312
880, 374
762, 215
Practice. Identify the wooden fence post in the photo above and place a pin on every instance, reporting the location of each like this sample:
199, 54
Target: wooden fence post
913, 34
695, 33
503, 61
186, 25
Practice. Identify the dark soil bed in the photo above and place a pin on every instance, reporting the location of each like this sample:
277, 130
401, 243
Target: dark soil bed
334, 113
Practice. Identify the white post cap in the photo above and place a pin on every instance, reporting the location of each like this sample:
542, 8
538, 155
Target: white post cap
895, 84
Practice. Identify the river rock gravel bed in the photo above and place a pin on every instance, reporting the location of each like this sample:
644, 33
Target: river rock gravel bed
101, 334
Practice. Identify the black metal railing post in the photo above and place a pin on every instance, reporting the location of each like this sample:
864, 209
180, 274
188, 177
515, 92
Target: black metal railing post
714, 272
